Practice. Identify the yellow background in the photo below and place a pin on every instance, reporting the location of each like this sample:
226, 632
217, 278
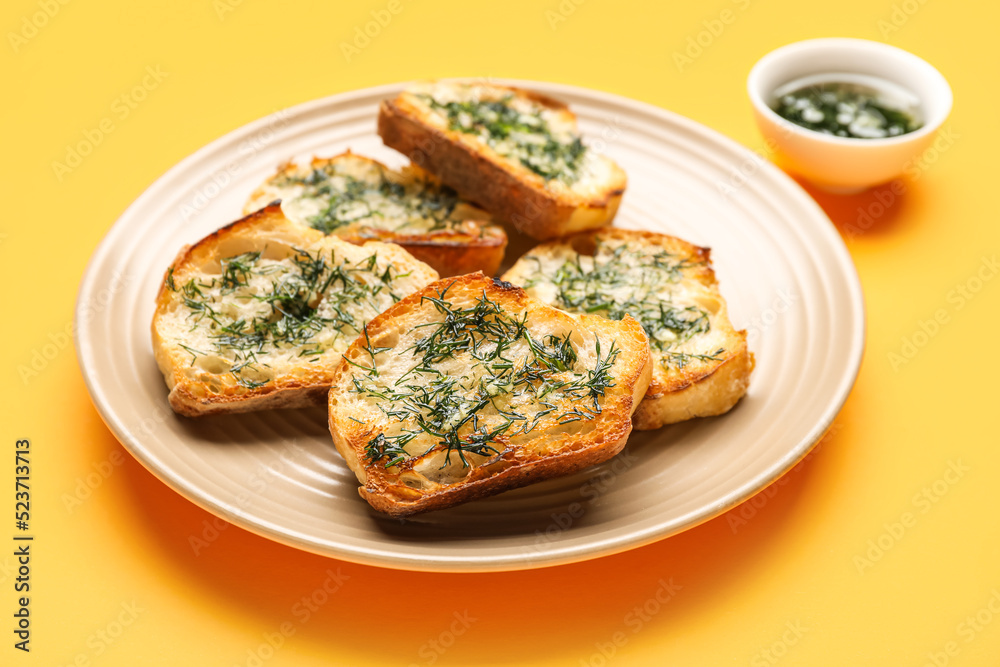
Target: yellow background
788, 559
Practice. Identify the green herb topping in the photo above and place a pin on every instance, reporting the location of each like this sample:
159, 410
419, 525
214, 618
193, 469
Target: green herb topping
509, 382
303, 305
620, 280
523, 136
417, 206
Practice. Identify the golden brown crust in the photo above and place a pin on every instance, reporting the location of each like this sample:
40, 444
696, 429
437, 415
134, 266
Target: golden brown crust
399, 501
510, 192
287, 395
196, 393
702, 387
448, 254
477, 245
548, 453
704, 394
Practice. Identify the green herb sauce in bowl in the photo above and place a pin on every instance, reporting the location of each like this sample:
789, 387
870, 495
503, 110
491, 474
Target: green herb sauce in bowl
846, 107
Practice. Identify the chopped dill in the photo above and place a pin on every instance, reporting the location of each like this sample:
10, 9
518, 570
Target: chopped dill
619, 280
513, 382
681, 359
525, 137
379, 203
303, 304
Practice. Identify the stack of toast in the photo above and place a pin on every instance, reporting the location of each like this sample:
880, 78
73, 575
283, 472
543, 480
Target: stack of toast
373, 291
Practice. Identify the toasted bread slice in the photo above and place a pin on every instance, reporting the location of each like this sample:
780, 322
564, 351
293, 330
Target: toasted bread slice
470, 387
360, 200
701, 364
516, 153
258, 314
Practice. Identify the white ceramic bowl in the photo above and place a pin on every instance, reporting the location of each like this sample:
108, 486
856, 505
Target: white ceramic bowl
846, 164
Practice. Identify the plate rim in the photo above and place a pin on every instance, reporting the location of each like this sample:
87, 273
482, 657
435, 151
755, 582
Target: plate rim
568, 554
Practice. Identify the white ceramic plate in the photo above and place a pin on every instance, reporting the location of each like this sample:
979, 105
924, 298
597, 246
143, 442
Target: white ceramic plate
783, 269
